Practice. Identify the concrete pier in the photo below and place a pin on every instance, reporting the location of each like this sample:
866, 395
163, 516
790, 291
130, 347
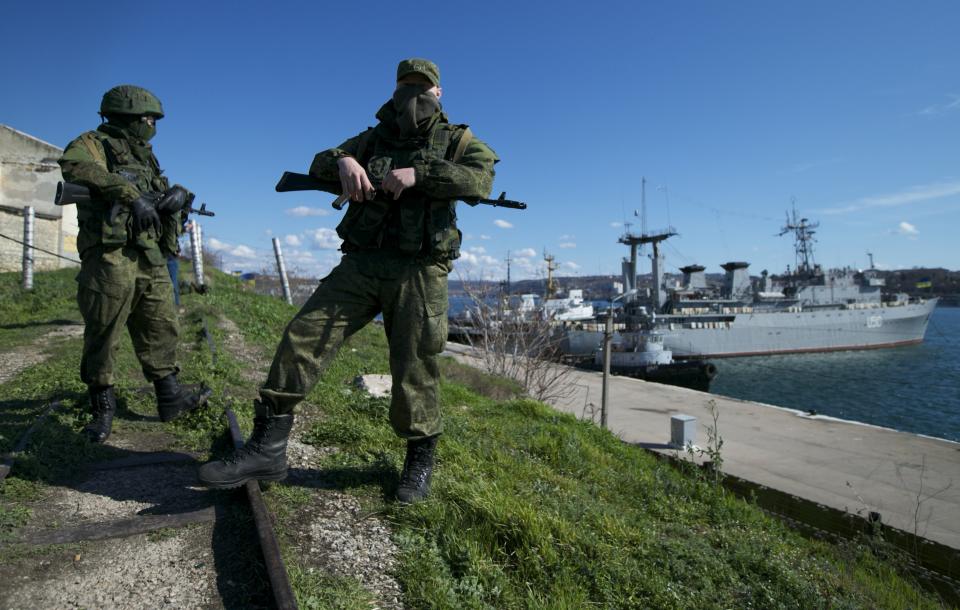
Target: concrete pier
912, 481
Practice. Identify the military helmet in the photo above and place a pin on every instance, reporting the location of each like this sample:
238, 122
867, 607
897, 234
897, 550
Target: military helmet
130, 99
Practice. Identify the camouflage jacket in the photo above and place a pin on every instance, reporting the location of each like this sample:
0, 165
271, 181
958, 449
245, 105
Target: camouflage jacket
117, 169
448, 163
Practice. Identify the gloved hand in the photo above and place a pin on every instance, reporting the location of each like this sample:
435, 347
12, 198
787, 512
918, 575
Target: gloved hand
174, 199
144, 216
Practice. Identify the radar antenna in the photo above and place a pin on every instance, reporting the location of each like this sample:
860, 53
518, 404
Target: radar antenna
803, 231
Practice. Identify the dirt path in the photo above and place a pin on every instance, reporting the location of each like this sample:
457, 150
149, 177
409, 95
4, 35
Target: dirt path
186, 567
165, 569
13, 362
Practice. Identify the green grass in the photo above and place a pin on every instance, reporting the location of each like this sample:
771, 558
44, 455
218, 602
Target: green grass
530, 508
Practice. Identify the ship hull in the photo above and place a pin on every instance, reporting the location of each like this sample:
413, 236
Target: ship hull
693, 374
764, 333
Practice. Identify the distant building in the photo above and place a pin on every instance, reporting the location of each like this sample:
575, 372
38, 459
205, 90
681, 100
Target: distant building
28, 177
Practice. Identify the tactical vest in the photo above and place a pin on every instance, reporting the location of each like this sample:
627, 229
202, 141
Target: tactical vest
110, 224
414, 223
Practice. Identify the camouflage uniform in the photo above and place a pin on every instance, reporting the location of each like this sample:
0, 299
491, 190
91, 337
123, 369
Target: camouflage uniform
123, 279
397, 255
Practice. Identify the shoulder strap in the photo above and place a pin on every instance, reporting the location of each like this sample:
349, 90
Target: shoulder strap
97, 152
362, 145
465, 138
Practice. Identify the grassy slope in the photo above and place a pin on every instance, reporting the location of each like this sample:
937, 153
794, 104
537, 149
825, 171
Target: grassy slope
531, 508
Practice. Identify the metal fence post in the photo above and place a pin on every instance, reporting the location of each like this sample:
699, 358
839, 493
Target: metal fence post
282, 271
607, 340
28, 217
196, 252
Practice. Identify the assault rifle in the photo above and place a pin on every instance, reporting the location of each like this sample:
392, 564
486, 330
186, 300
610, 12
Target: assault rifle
291, 181
69, 192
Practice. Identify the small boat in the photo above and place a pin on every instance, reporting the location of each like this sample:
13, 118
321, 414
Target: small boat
641, 354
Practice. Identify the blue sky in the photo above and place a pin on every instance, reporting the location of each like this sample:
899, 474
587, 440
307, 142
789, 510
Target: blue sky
731, 110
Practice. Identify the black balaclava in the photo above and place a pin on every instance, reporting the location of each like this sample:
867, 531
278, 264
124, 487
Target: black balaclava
414, 106
132, 124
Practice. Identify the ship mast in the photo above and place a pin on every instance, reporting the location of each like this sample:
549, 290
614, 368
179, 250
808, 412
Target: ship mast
551, 267
508, 261
654, 237
803, 231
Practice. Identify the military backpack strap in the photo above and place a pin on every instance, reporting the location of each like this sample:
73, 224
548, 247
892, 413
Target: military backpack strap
363, 144
97, 152
465, 138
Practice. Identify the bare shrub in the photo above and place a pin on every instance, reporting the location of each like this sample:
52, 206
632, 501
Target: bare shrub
515, 342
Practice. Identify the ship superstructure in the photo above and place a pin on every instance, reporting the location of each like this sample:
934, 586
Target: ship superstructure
807, 309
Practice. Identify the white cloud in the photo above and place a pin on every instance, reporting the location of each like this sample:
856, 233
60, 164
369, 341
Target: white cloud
215, 244
936, 109
485, 237
239, 251
503, 224
477, 249
302, 211
914, 194
526, 252
571, 265
473, 260
568, 244
292, 240
567, 237
242, 251
616, 225
324, 239
907, 229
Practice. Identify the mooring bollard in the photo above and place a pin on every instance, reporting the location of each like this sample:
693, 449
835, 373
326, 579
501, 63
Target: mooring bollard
28, 217
683, 431
282, 272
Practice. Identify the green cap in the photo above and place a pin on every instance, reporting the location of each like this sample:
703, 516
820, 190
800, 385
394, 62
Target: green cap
417, 65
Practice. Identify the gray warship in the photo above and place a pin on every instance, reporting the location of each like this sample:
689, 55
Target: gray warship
807, 309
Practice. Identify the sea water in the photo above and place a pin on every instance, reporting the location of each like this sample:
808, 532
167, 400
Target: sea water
913, 388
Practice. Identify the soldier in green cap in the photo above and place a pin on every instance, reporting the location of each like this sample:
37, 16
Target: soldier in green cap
400, 238
123, 242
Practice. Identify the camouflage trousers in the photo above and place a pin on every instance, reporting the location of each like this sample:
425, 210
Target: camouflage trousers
119, 288
412, 295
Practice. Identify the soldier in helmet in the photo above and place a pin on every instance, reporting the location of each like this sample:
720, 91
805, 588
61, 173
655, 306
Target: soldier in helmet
399, 242
124, 239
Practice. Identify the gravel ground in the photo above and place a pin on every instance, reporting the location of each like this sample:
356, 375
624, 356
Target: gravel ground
122, 494
134, 573
344, 542
176, 569
14, 361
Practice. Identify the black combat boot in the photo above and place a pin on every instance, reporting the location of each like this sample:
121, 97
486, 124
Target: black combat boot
103, 404
173, 400
417, 470
263, 457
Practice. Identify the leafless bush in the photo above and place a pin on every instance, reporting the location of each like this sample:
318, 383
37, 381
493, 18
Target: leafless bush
515, 342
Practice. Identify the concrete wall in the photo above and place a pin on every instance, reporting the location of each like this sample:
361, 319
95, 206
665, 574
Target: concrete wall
28, 177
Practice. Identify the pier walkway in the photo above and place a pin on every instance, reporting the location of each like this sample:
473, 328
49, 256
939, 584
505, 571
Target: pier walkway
912, 481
